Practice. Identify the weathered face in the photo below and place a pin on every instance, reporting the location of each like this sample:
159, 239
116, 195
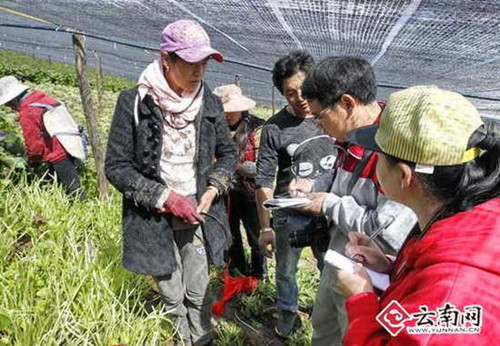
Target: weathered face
332, 120
184, 75
292, 90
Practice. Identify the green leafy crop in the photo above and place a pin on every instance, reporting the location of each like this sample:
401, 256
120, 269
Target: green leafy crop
39, 71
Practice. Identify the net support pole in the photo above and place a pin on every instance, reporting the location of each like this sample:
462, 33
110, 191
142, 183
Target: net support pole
88, 109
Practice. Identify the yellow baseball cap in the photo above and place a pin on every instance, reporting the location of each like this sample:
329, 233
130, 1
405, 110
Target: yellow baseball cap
425, 125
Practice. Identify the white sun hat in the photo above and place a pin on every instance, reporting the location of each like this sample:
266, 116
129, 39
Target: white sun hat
10, 88
233, 99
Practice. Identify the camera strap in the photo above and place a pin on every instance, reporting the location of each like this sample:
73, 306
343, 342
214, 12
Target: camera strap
358, 170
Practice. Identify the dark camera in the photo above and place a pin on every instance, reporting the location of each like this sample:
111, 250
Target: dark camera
314, 233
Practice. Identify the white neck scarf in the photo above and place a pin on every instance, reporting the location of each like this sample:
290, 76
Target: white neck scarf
177, 110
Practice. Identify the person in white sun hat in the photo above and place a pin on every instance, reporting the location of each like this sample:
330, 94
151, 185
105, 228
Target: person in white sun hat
50, 134
245, 129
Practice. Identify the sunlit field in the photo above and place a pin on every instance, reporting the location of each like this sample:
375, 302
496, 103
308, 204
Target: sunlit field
61, 280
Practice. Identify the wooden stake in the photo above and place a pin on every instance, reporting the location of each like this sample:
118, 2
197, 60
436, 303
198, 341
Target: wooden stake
98, 82
88, 109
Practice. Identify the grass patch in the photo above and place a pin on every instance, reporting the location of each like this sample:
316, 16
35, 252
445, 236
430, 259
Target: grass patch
61, 280
65, 283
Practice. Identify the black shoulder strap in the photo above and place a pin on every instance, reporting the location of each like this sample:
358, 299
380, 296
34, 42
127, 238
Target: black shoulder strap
358, 170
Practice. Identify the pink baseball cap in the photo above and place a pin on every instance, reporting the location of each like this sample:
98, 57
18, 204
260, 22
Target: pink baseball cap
189, 41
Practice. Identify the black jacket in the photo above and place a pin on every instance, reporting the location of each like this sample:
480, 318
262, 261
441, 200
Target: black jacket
132, 166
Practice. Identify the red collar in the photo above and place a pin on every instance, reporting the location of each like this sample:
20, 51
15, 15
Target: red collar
358, 151
36, 96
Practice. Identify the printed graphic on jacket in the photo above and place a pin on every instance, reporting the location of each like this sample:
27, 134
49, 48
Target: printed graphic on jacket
313, 156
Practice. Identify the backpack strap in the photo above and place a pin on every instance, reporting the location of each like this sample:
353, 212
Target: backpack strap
358, 170
46, 107
66, 133
42, 105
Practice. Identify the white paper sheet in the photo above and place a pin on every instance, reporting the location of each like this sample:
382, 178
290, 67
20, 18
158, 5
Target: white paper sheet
341, 262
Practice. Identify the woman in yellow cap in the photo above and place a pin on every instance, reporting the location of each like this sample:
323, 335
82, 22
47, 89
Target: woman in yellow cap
438, 158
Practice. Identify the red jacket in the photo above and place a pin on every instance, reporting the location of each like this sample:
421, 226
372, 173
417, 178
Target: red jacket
38, 143
457, 261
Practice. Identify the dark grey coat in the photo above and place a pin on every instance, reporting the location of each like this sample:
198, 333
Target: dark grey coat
132, 166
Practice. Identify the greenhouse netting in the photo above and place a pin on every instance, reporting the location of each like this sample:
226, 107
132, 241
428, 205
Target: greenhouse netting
454, 44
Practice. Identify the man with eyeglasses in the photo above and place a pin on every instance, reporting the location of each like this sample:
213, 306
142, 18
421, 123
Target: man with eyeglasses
341, 93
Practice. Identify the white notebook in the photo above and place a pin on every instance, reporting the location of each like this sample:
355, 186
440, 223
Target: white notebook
341, 262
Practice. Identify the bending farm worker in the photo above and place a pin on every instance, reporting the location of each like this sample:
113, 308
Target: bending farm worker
50, 134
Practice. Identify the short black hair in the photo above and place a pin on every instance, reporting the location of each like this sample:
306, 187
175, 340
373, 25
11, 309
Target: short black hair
335, 76
287, 66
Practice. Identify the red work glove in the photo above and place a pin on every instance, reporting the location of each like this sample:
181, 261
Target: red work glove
182, 207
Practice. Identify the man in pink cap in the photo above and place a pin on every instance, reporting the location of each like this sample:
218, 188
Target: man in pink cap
171, 155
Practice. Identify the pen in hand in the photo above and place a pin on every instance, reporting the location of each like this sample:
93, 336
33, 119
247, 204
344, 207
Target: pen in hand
361, 258
378, 231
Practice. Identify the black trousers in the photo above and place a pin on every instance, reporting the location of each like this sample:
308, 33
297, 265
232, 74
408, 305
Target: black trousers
67, 176
244, 209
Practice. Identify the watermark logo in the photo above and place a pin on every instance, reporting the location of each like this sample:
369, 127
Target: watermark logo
393, 318
444, 320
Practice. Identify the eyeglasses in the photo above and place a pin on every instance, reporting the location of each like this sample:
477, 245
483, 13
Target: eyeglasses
320, 114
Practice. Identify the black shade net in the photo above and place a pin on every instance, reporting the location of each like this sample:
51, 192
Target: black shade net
454, 44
